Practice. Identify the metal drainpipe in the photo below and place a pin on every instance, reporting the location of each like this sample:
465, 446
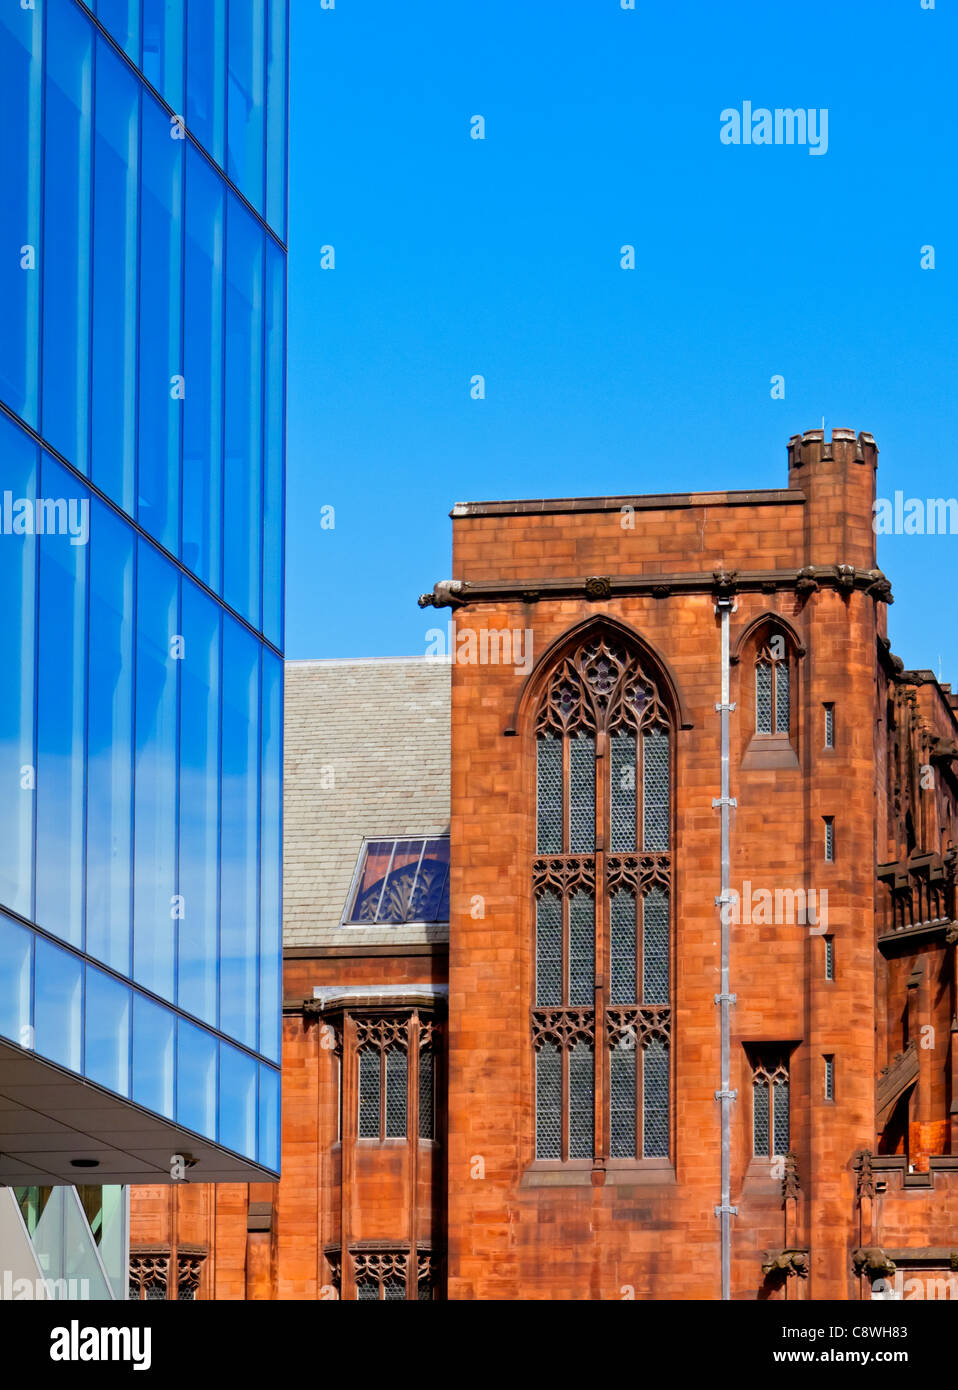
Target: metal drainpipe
725, 1211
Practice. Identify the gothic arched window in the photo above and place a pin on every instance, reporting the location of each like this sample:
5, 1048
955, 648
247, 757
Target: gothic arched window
772, 687
602, 885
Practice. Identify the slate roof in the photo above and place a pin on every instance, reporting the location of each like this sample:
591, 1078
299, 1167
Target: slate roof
366, 755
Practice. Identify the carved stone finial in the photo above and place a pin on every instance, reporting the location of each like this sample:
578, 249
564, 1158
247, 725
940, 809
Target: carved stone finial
866, 1176
790, 1183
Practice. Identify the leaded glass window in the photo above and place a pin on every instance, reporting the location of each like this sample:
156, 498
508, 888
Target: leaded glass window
427, 1095
549, 949
770, 1106
772, 688
581, 949
622, 981
548, 1102
396, 1093
369, 1092
655, 947
655, 1100
602, 906
622, 1060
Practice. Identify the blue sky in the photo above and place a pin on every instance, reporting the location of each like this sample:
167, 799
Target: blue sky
501, 257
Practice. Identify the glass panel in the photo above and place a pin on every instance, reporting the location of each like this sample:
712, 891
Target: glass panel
581, 1101
199, 804
58, 995
161, 388
80, 1262
427, 1125
196, 1079
582, 795
21, 81
274, 454
61, 704
152, 1055
122, 19
106, 1057
394, 1290
18, 560
237, 1101
367, 1292
548, 950
760, 1119
276, 117
206, 74
623, 984
246, 107
622, 1099
114, 355
163, 36
655, 788
268, 1154
110, 741
781, 697
581, 949
65, 255
154, 911
623, 791
243, 504
271, 866
655, 947
396, 902
829, 727
396, 1086
549, 796
15, 953
369, 891
780, 1116
369, 1084
763, 697
203, 368
548, 1102
430, 898
655, 1100
239, 973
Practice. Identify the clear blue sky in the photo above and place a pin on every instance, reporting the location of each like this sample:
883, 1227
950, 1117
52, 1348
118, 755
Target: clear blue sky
501, 257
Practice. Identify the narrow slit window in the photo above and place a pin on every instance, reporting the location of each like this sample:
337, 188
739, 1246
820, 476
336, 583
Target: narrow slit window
829, 1078
770, 1108
829, 958
829, 726
829, 839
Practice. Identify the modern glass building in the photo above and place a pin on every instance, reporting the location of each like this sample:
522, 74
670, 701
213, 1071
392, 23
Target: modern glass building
142, 423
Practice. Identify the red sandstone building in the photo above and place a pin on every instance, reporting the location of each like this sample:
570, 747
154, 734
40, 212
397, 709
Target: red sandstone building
651, 992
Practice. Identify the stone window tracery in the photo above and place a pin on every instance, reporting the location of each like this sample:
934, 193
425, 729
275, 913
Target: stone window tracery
602, 889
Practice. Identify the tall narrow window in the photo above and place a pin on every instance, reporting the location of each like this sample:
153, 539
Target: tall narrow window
772, 689
427, 1095
604, 769
829, 839
829, 1078
829, 958
770, 1107
829, 726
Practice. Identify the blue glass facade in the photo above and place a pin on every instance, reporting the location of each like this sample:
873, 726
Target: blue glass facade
142, 380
